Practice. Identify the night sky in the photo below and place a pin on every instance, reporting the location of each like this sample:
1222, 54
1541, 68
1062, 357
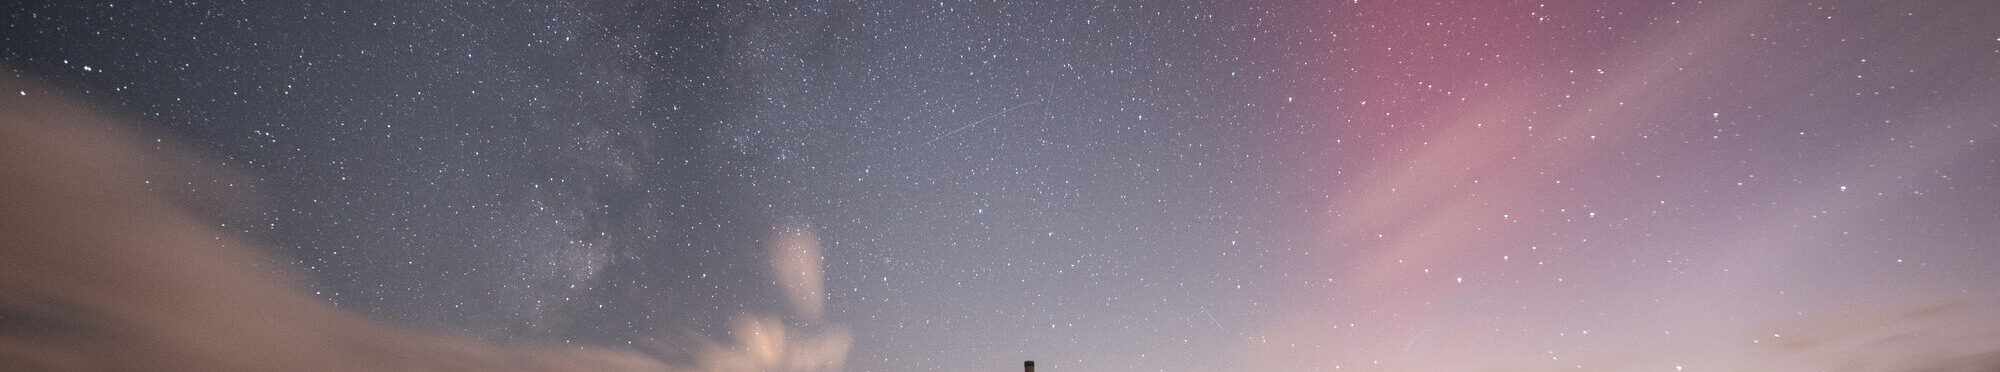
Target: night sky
1103, 186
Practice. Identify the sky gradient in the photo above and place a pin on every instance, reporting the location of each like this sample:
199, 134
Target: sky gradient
1116, 186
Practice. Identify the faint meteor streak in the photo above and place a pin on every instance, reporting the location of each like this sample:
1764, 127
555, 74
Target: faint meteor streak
1211, 319
981, 120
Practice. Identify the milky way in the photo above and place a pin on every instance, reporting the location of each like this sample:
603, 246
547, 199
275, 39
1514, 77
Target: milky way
1136, 186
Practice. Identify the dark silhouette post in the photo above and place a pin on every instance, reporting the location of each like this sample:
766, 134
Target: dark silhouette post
1030, 365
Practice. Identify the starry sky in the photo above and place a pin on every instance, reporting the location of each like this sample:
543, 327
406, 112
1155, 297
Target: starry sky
1103, 186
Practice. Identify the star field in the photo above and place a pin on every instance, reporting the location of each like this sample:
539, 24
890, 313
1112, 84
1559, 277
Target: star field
1105, 186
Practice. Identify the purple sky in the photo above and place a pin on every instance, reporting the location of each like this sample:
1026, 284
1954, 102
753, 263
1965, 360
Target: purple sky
1139, 186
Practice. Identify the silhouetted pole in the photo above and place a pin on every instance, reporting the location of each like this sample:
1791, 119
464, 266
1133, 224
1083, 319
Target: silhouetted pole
1030, 365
